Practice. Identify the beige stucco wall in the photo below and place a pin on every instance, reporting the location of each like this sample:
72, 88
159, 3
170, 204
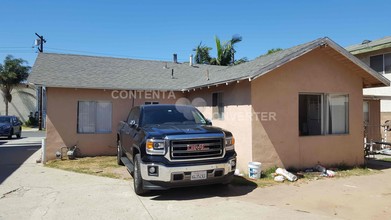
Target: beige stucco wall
237, 115
62, 119
24, 101
277, 142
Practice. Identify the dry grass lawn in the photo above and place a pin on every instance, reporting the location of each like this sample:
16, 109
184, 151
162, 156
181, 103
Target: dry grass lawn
100, 166
106, 166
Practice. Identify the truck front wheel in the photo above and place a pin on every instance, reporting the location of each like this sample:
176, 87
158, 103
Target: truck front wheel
137, 178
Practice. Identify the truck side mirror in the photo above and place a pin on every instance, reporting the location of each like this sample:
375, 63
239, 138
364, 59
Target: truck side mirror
132, 123
208, 122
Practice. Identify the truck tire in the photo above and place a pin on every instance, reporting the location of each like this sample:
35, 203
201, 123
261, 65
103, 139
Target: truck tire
120, 153
137, 178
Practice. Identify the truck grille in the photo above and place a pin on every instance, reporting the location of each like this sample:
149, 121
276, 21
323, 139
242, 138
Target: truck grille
196, 149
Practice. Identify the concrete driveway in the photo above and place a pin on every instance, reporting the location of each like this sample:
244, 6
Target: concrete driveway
32, 191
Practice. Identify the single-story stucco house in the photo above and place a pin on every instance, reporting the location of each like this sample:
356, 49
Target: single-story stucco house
294, 108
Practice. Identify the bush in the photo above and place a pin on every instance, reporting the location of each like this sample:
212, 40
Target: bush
32, 122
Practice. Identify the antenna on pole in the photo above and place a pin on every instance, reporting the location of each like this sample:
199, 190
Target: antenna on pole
39, 42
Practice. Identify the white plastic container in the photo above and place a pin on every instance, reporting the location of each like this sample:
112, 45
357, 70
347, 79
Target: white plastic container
291, 177
254, 170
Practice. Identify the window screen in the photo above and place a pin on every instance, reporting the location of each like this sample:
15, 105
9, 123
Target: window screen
94, 117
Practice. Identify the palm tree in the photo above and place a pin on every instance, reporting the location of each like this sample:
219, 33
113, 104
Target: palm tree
12, 72
225, 53
202, 54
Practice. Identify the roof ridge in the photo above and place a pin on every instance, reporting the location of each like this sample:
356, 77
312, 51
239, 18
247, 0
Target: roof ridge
105, 57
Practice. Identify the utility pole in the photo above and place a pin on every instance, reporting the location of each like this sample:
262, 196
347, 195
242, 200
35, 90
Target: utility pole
39, 43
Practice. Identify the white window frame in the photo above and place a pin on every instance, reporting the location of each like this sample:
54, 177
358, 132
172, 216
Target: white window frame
96, 118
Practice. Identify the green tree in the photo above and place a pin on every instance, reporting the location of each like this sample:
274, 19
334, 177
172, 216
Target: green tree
12, 72
225, 53
202, 54
273, 50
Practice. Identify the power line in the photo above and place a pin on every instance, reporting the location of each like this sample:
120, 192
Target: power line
5, 52
15, 47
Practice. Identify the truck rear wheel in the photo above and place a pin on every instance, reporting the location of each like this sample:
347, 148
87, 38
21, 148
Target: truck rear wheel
137, 178
120, 153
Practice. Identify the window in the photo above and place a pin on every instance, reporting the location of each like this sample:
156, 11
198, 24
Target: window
151, 103
321, 114
134, 115
94, 117
217, 105
366, 112
381, 63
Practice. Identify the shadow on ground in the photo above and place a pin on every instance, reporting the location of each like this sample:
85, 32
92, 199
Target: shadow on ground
377, 163
11, 158
4, 140
201, 192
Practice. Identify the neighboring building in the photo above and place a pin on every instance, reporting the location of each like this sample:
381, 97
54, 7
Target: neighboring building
24, 102
377, 55
294, 108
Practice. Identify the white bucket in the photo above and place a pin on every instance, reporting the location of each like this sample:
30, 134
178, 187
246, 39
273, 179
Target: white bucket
254, 170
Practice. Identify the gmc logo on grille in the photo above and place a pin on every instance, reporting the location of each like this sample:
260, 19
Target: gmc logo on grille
197, 147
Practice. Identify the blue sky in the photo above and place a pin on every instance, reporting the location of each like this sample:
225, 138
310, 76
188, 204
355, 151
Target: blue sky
155, 30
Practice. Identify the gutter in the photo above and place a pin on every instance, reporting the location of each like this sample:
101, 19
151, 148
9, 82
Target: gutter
368, 48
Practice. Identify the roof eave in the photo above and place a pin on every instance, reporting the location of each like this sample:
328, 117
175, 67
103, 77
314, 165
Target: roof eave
383, 80
227, 82
106, 88
370, 48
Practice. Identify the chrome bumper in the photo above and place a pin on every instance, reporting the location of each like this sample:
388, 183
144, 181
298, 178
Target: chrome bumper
166, 174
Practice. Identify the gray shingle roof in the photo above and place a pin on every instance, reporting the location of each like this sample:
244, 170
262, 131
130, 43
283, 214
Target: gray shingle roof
384, 42
76, 71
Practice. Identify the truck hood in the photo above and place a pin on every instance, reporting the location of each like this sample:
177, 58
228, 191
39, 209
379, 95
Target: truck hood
4, 123
163, 130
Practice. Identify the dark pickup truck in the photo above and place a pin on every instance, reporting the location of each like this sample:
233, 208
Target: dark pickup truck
166, 146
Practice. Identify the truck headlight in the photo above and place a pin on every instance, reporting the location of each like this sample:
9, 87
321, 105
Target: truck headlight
229, 143
155, 147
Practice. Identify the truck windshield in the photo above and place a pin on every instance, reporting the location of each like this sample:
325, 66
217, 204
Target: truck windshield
5, 120
172, 115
